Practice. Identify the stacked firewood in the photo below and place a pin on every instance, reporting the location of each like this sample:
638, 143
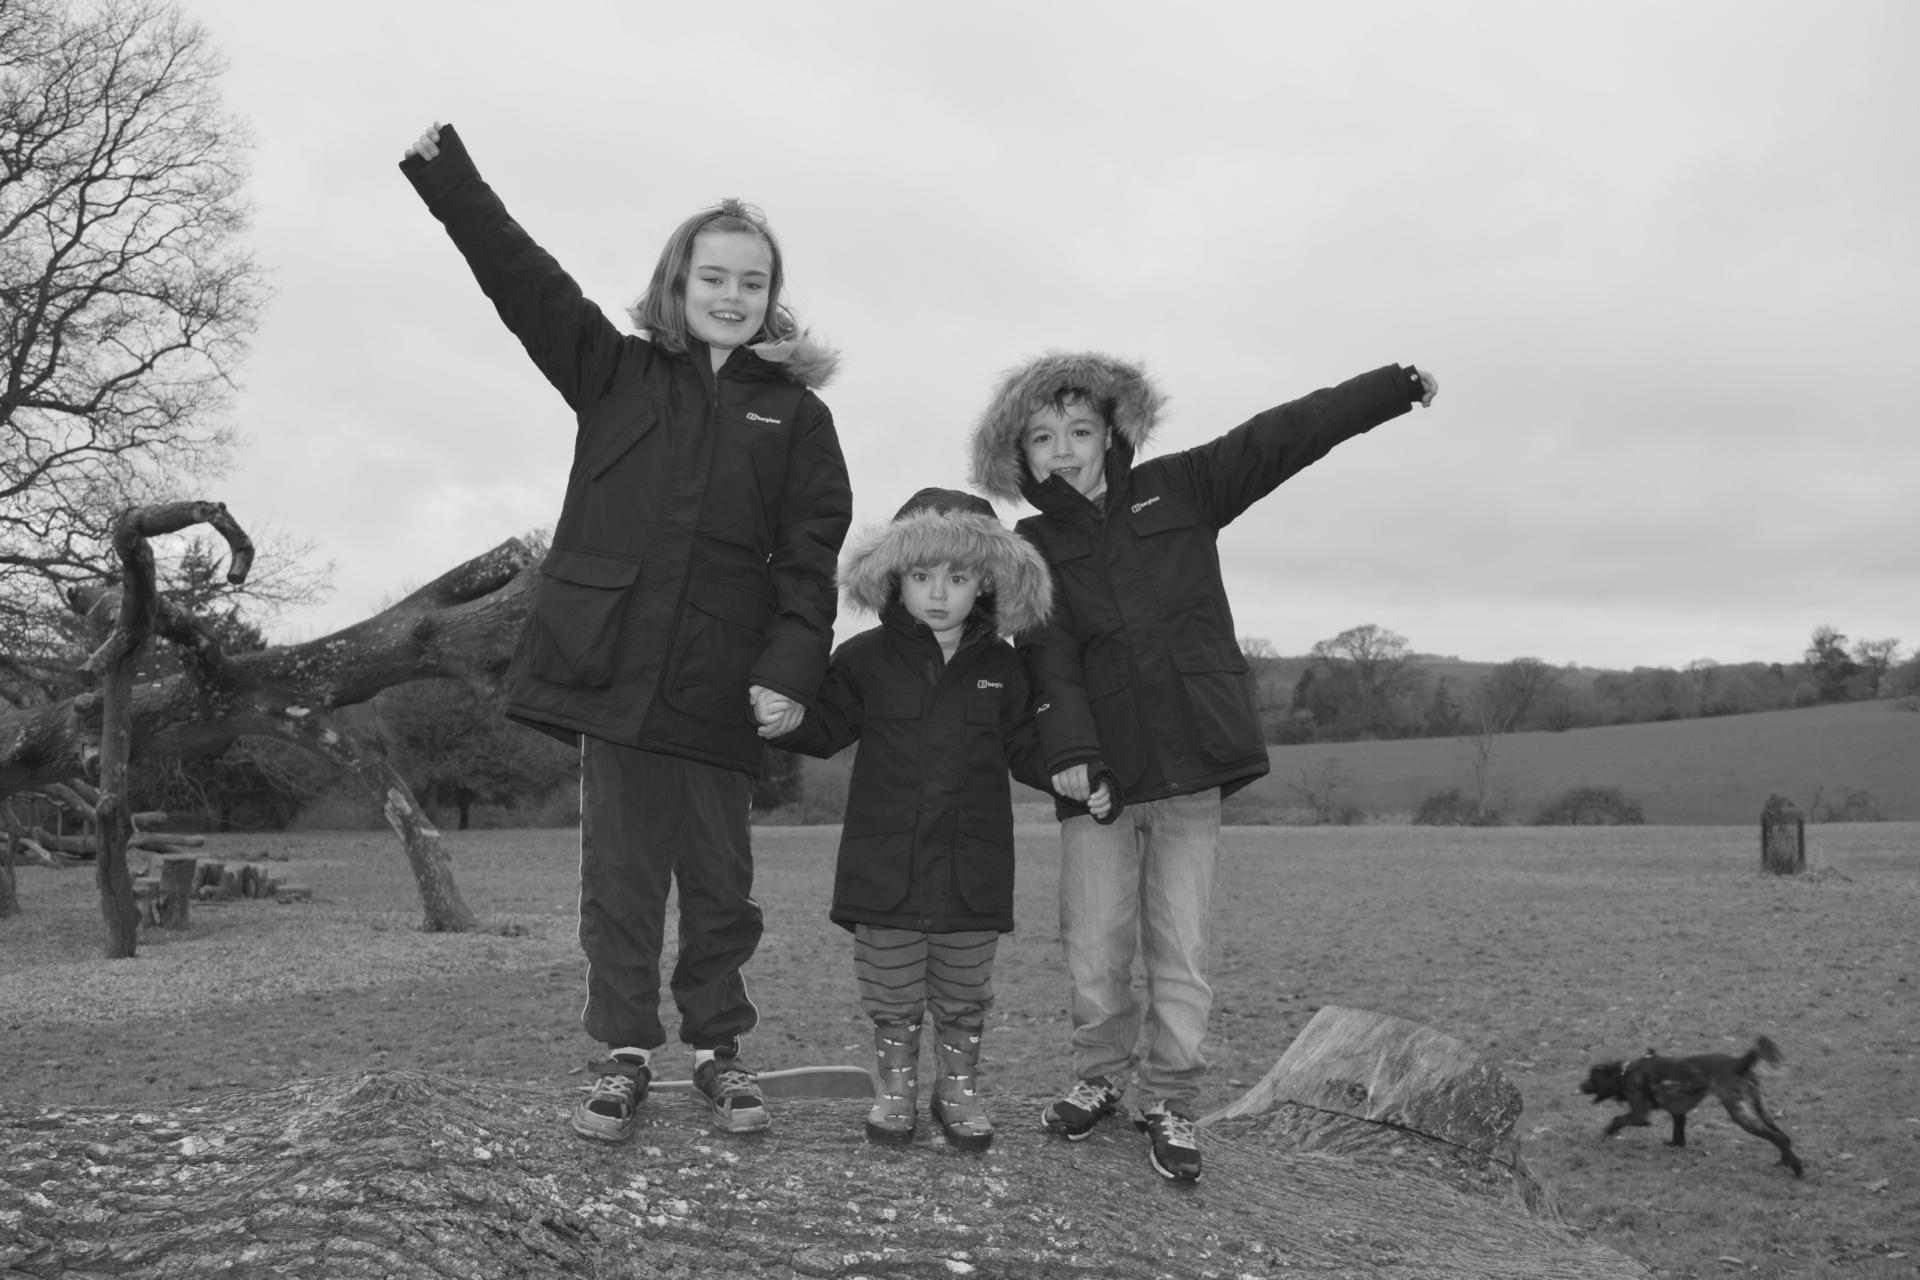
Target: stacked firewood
75, 802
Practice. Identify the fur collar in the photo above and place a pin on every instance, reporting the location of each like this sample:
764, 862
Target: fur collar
804, 359
1123, 390
943, 526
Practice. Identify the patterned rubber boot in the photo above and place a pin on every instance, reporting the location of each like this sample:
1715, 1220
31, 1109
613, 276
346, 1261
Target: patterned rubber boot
957, 1107
896, 1092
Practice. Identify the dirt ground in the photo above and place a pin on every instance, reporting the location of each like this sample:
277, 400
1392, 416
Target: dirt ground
1547, 950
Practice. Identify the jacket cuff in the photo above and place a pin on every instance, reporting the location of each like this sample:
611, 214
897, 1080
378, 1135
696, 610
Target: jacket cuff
1410, 380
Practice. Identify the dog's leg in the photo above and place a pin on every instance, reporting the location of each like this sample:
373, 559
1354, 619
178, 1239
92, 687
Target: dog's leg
1627, 1119
1751, 1116
1679, 1138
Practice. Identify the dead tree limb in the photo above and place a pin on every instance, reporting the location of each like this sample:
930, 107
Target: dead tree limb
462, 625
113, 663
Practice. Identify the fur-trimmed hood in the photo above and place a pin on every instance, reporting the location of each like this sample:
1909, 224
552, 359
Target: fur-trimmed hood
1122, 389
945, 526
804, 359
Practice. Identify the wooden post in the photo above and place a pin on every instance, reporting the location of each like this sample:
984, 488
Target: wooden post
175, 891
1783, 838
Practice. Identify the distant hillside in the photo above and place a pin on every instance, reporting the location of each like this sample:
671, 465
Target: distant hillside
1716, 771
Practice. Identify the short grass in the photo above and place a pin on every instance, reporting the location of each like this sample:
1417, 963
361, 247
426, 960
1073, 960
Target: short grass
1544, 949
1717, 771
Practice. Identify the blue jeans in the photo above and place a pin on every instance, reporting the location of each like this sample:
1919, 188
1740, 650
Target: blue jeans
1148, 878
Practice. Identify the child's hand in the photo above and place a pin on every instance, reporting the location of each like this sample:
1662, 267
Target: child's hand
776, 712
1430, 383
1101, 802
1072, 783
427, 145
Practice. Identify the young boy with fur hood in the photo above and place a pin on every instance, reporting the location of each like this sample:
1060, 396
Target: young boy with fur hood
939, 704
1139, 666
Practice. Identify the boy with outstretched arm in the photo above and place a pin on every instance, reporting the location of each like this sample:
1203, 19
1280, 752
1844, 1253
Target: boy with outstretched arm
1139, 667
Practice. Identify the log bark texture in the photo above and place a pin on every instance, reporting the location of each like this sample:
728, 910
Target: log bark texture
403, 1174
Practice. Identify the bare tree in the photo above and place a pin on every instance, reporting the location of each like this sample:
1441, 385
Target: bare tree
1362, 674
1511, 690
126, 299
1875, 659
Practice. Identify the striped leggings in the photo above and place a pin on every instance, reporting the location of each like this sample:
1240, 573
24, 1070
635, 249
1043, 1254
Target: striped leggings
901, 972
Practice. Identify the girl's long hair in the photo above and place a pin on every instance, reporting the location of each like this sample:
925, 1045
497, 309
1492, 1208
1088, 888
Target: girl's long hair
662, 309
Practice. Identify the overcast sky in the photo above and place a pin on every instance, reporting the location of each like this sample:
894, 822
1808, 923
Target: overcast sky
1662, 258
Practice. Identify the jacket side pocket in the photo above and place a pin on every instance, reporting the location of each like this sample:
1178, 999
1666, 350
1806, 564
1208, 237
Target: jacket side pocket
577, 618
720, 634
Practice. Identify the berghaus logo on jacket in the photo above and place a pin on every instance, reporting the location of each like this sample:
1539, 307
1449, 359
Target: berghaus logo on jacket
988, 684
1138, 507
754, 417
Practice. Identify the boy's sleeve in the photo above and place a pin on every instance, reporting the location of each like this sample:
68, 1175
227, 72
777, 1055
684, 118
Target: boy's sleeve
1230, 474
833, 722
569, 338
815, 512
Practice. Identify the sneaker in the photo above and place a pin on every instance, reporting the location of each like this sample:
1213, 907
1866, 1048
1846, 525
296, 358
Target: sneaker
1074, 1115
1175, 1152
734, 1093
612, 1106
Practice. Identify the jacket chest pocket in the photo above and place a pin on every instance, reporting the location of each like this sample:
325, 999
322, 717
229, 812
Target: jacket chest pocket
578, 617
983, 710
749, 465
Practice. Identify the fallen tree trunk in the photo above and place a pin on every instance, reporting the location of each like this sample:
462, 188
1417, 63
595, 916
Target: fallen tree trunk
411, 1175
408, 1175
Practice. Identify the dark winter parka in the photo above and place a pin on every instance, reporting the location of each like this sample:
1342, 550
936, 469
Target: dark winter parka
695, 549
928, 840
1140, 663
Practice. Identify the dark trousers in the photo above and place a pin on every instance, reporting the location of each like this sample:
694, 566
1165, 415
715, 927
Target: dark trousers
649, 822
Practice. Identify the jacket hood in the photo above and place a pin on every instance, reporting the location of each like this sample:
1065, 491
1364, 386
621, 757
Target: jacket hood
945, 526
1122, 389
804, 359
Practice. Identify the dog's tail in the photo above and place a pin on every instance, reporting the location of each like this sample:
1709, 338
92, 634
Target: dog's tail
1764, 1050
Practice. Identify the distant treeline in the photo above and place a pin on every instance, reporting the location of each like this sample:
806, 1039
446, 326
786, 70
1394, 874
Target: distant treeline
1367, 683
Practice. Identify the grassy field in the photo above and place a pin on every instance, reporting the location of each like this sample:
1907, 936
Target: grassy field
1715, 772
1545, 949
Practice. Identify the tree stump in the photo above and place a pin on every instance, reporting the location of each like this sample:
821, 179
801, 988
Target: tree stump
1783, 838
178, 872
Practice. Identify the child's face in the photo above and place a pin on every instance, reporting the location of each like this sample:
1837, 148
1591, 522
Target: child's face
940, 595
727, 284
1069, 443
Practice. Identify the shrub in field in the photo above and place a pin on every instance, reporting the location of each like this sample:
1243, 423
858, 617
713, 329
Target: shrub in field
1453, 808
1590, 807
1853, 806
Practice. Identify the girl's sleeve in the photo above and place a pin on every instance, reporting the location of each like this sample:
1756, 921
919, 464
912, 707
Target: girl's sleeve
833, 722
569, 338
1231, 473
815, 510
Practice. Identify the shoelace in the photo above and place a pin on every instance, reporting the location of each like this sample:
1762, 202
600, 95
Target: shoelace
613, 1088
1174, 1130
1086, 1095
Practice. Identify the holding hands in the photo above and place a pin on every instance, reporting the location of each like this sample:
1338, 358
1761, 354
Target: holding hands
1075, 784
776, 712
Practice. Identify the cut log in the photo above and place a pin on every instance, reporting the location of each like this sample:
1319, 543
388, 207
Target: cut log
80, 846
415, 1175
177, 874
163, 842
208, 872
1384, 1071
